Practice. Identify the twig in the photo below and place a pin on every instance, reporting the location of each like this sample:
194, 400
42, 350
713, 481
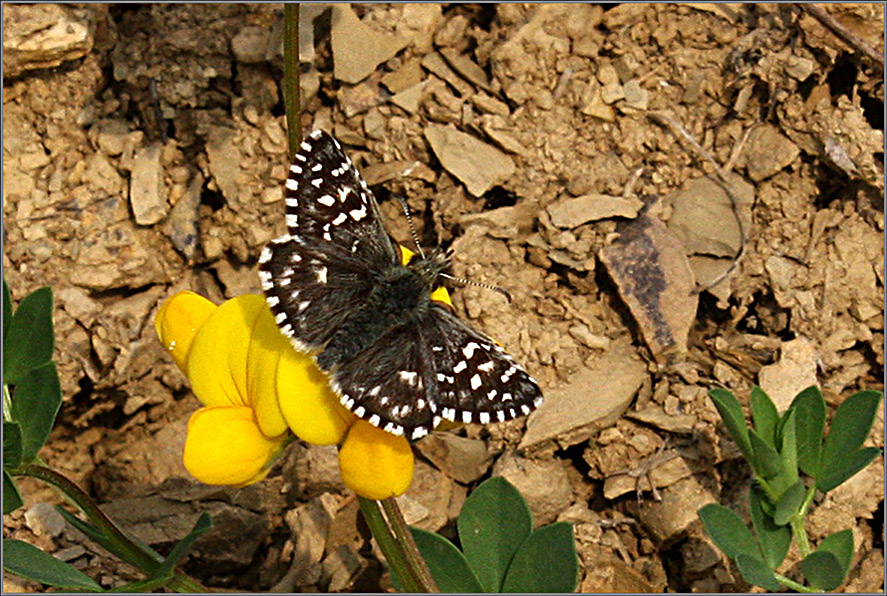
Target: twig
839, 29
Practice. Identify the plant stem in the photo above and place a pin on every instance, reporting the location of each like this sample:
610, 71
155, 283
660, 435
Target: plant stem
390, 547
405, 538
790, 583
799, 530
291, 92
136, 556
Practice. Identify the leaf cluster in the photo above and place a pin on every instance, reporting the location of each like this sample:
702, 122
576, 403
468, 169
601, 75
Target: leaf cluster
501, 552
31, 400
778, 449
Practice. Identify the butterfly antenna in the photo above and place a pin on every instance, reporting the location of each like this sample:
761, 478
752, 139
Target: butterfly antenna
468, 282
406, 211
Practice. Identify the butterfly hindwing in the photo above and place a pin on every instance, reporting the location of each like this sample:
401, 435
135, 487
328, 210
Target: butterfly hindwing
435, 367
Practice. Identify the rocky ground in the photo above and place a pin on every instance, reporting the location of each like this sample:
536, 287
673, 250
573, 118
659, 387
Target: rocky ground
677, 196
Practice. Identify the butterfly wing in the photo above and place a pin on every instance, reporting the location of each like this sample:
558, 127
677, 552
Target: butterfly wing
434, 367
329, 206
320, 272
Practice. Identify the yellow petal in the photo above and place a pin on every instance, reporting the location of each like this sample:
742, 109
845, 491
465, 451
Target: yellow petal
310, 407
226, 447
177, 322
375, 464
267, 346
218, 358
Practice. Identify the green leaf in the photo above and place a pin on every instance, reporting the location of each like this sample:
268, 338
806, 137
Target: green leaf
731, 413
789, 449
12, 500
546, 562
113, 546
493, 524
823, 570
446, 563
850, 427
146, 586
809, 408
839, 544
204, 523
29, 339
790, 503
764, 415
30, 562
12, 444
7, 308
728, 531
767, 462
757, 573
773, 540
853, 463
35, 404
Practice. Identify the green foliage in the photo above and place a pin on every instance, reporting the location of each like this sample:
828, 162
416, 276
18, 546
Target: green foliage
500, 550
493, 523
32, 393
446, 563
778, 448
28, 341
29, 561
31, 401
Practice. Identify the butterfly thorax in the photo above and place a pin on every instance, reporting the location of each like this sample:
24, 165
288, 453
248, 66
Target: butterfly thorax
399, 295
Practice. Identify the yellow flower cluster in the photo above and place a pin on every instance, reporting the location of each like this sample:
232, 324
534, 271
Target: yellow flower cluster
257, 390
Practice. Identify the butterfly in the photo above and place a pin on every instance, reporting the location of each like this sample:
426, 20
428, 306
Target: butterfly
338, 290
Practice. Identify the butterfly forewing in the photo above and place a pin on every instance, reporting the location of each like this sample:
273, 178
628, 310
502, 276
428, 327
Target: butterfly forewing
329, 205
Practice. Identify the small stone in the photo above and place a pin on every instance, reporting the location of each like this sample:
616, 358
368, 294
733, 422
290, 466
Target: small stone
250, 45
542, 482
593, 104
44, 520
768, 151
635, 95
43, 36
612, 93
409, 74
488, 104
463, 459
146, 195
572, 212
410, 99
583, 335
799, 68
607, 74
357, 48
478, 165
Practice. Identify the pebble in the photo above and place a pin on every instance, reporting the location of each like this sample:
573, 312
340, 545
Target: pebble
478, 165
43, 519
146, 190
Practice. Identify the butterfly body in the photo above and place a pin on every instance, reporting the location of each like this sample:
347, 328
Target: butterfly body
338, 289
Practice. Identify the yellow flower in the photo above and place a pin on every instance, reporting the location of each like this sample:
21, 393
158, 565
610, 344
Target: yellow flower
256, 388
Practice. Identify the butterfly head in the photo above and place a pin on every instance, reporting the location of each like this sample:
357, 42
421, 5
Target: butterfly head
429, 267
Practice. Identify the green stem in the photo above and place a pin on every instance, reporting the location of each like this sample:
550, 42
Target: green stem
391, 548
291, 93
136, 556
405, 537
790, 583
799, 529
